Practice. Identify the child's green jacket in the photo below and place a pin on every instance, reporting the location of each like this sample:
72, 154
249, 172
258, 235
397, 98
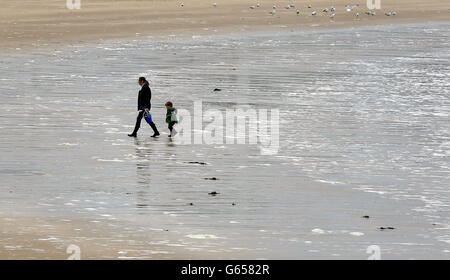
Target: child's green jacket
171, 115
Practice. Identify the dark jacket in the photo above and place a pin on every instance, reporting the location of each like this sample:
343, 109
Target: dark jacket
145, 95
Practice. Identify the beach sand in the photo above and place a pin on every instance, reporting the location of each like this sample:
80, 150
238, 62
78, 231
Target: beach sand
29, 25
60, 237
32, 24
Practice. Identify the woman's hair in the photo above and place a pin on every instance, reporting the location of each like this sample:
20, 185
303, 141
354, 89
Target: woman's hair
142, 79
168, 103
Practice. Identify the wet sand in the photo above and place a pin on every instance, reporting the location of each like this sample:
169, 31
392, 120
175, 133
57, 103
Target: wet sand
33, 24
129, 199
28, 236
364, 131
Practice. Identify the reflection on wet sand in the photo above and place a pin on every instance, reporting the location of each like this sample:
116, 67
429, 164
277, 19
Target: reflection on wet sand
143, 173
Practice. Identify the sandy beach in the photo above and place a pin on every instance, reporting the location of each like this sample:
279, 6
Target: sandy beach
364, 138
49, 237
33, 24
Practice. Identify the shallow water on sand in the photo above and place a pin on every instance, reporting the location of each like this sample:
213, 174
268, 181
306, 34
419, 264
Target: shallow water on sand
364, 131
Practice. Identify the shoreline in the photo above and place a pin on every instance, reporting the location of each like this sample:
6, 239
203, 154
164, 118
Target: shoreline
53, 25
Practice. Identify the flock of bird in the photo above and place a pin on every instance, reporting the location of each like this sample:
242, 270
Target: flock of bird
332, 9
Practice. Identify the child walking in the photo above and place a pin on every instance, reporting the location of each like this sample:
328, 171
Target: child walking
171, 118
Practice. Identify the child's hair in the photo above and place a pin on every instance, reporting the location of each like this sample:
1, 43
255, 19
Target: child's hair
168, 103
